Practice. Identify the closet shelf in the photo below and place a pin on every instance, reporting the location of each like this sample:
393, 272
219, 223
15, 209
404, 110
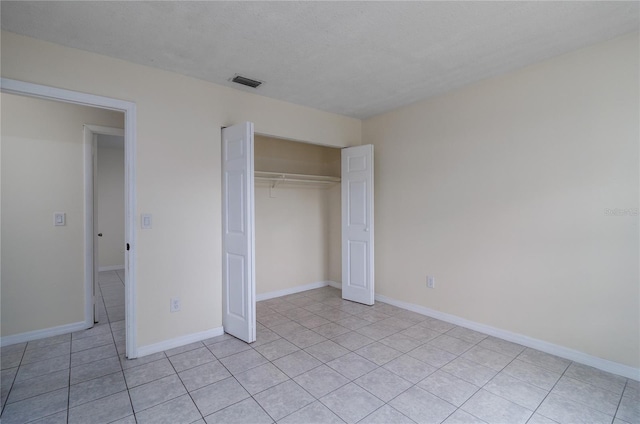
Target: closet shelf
277, 178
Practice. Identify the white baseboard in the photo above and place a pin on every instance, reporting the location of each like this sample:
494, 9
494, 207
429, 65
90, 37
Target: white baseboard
293, 290
179, 341
110, 268
335, 284
553, 349
196, 337
42, 334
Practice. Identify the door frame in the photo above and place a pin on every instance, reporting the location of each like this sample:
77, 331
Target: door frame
22, 88
91, 213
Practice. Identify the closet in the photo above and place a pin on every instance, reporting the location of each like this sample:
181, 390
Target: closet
297, 215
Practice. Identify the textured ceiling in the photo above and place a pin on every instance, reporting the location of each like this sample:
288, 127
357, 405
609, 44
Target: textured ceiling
353, 58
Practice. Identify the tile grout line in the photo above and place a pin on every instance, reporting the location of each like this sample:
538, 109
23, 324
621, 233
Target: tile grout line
288, 379
182, 382
380, 366
508, 400
440, 369
117, 354
108, 323
6, 402
231, 376
349, 380
550, 390
68, 369
384, 403
69, 383
119, 361
626, 383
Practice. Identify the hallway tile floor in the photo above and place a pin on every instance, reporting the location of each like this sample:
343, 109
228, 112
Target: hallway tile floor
317, 359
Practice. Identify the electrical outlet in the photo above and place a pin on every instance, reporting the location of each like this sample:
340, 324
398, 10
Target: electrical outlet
431, 282
174, 305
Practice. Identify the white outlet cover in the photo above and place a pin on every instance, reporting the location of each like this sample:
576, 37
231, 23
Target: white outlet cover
431, 282
174, 305
59, 219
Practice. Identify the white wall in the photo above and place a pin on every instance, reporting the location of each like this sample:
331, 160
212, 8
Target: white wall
178, 168
110, 203
42, 173
500, 191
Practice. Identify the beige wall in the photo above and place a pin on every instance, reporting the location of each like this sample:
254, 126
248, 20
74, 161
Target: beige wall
42, 173
110, 206
291, 237
295, 241
499, 190
277, 155
334, 246
178, 168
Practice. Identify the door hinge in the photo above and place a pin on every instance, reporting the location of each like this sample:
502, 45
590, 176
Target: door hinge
127, 246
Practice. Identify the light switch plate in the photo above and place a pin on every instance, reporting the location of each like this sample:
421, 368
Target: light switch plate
146, 221
59, 219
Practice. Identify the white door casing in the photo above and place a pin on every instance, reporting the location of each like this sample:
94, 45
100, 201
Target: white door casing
357, 224
96, 264
129, 109
238, 233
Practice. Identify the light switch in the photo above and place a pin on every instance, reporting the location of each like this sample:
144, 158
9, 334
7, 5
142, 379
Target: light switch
59, 219
145, 221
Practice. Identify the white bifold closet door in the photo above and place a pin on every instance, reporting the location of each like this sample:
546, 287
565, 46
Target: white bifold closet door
238, 229
238, 233
357, 224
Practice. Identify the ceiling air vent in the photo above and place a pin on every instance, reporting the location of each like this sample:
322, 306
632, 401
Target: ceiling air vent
246, 81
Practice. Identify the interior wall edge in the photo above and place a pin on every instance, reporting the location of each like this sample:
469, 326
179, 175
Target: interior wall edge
335, 284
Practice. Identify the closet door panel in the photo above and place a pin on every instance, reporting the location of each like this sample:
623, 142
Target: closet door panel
357, 224
238, 237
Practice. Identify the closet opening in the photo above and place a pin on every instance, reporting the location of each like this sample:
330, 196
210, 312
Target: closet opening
306, 222
297, 216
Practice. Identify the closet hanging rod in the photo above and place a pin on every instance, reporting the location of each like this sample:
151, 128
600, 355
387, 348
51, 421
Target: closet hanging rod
294, 178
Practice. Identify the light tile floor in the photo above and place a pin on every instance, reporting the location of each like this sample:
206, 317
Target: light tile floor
318, 359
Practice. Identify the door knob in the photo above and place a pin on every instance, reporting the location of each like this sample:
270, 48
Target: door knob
99, 234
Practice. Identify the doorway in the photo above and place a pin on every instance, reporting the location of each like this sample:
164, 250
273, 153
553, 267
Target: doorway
106, 164
129, 110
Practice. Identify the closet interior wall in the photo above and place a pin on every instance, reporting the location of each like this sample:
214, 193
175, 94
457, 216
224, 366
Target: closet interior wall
298, 227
